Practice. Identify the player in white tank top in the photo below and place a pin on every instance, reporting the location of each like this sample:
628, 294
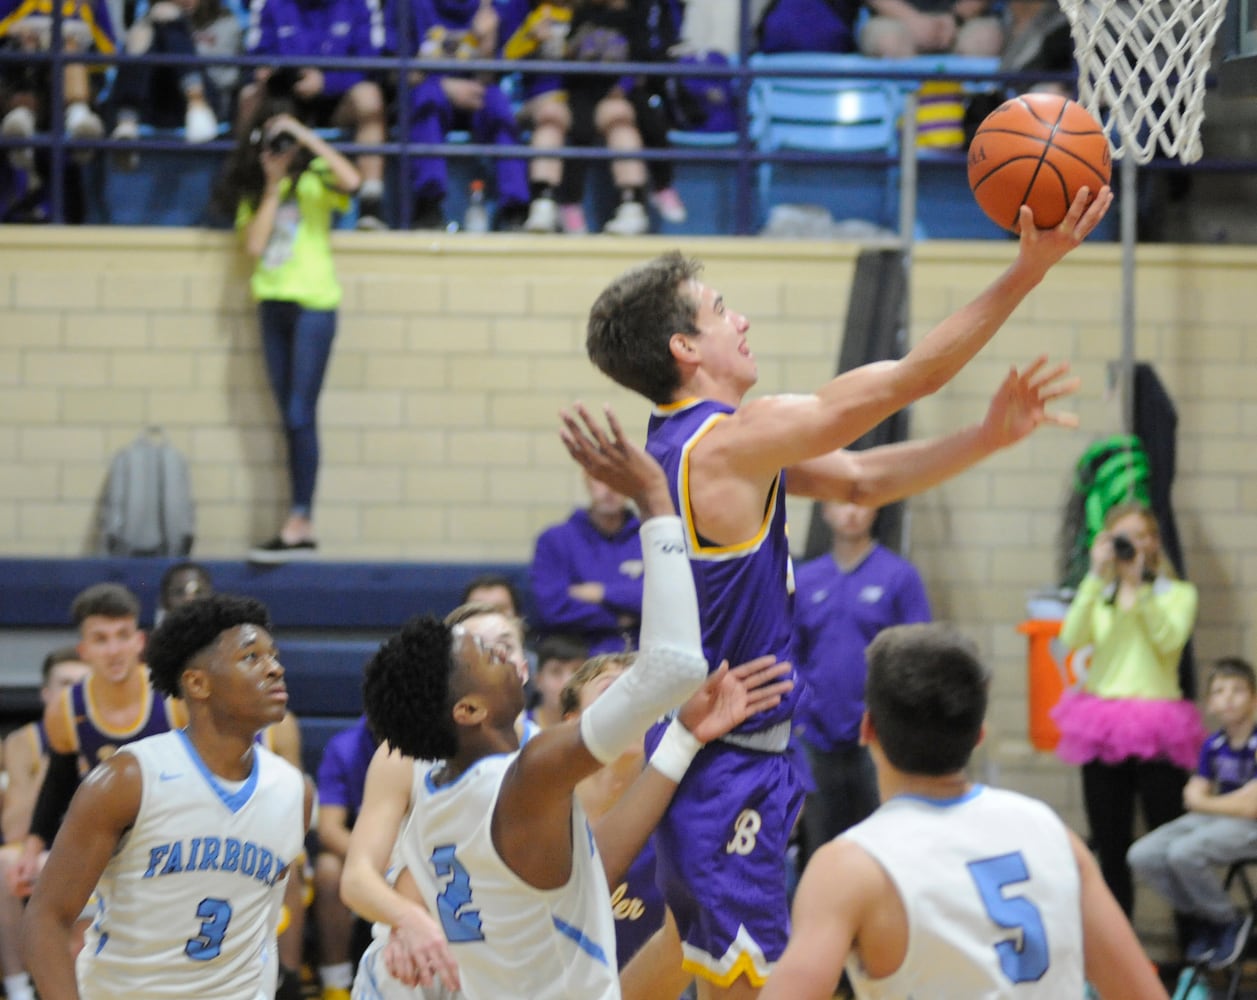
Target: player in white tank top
213, 855
535, 931
951, 891
189, 834
991, 892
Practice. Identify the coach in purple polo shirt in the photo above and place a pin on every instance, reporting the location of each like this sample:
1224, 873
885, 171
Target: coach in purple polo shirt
586, 575
842, 600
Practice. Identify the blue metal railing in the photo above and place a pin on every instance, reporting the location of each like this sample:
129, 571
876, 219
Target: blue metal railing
743, 152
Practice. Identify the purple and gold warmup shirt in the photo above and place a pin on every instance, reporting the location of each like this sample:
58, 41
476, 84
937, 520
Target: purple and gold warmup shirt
745, 591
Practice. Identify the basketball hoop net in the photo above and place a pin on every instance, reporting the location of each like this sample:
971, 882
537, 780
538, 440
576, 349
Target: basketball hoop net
1142, 66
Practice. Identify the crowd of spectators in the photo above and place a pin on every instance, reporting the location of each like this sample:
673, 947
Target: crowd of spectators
536, 105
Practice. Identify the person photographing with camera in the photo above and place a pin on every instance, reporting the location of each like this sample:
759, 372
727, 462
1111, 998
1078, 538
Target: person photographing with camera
282, 185
1128, 725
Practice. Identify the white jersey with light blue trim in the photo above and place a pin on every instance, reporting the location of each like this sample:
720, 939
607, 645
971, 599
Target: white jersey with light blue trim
993, 904
189, 903
511, 941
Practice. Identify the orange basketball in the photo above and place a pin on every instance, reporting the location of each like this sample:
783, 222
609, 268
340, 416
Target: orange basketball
1036, 150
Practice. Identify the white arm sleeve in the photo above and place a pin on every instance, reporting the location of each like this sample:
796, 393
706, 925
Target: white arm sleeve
670, 666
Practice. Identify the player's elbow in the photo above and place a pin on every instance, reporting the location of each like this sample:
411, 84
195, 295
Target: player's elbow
686, 671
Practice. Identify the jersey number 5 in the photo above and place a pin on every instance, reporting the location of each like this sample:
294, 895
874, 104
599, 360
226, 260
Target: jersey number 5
215, 915
458, 920
1023, 962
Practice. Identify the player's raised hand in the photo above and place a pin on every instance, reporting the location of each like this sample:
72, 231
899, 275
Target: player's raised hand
730, 697
611, 458
1020, 404
1085, 213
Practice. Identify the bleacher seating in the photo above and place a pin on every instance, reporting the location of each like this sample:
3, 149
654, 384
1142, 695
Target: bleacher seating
860, 116
329, 618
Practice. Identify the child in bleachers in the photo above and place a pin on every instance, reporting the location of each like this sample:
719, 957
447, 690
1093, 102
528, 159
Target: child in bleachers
441, 101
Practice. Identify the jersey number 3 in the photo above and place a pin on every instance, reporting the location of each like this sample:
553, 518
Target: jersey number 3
1023, 962
459, 921
215, 915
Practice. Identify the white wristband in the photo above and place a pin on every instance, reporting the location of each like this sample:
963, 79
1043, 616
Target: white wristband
675, 751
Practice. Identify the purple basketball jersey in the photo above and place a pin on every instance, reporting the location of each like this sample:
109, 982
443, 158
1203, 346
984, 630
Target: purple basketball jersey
96, 741
722, 843
745, 591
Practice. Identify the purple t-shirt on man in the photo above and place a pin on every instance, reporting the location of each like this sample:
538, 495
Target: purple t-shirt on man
836, 615
343, 769
577, 552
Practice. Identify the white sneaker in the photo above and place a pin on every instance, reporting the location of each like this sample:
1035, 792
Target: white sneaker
81, 122
127, 130
20, 124
543, 216
630, 220
199, 123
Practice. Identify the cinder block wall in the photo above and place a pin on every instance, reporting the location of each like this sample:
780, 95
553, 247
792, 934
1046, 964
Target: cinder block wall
455, 353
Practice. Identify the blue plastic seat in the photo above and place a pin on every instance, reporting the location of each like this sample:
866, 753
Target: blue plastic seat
855, 116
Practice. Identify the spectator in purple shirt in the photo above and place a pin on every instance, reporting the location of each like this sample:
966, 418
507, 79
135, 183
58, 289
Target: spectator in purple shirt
842, 601
324, 98
586, 575
341, 780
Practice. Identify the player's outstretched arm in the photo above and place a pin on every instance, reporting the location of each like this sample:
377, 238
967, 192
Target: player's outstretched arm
838, 886
363, 887
103, 809
1115, 963
882, 475
779, 431
534, 805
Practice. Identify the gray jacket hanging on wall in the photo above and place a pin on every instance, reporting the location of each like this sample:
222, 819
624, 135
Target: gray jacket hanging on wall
147, 507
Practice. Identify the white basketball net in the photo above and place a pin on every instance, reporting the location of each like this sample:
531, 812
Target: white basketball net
1142, 66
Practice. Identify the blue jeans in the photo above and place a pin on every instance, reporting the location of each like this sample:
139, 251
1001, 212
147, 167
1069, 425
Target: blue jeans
297, 343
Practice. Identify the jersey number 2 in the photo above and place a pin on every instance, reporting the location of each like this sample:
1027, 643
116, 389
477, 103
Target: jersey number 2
215, 915
1023, 962
460, 922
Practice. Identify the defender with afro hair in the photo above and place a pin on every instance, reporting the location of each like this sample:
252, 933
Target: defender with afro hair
193, 627
406, 691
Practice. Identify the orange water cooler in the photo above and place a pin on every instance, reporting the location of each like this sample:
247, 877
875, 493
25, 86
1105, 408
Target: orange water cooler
1048, 679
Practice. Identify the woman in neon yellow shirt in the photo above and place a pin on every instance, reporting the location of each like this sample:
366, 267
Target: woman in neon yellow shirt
285, 183
1129, 726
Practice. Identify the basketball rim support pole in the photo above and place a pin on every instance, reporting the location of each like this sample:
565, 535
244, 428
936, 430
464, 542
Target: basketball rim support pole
907, 237
1129, 206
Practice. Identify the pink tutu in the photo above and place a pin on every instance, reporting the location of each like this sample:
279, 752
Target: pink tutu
1111, 730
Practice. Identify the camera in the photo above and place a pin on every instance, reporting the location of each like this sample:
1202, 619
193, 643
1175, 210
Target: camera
1123, 548
279, 142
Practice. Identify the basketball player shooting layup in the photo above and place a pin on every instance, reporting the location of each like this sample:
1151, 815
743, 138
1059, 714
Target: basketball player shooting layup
660, 331
189, 834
